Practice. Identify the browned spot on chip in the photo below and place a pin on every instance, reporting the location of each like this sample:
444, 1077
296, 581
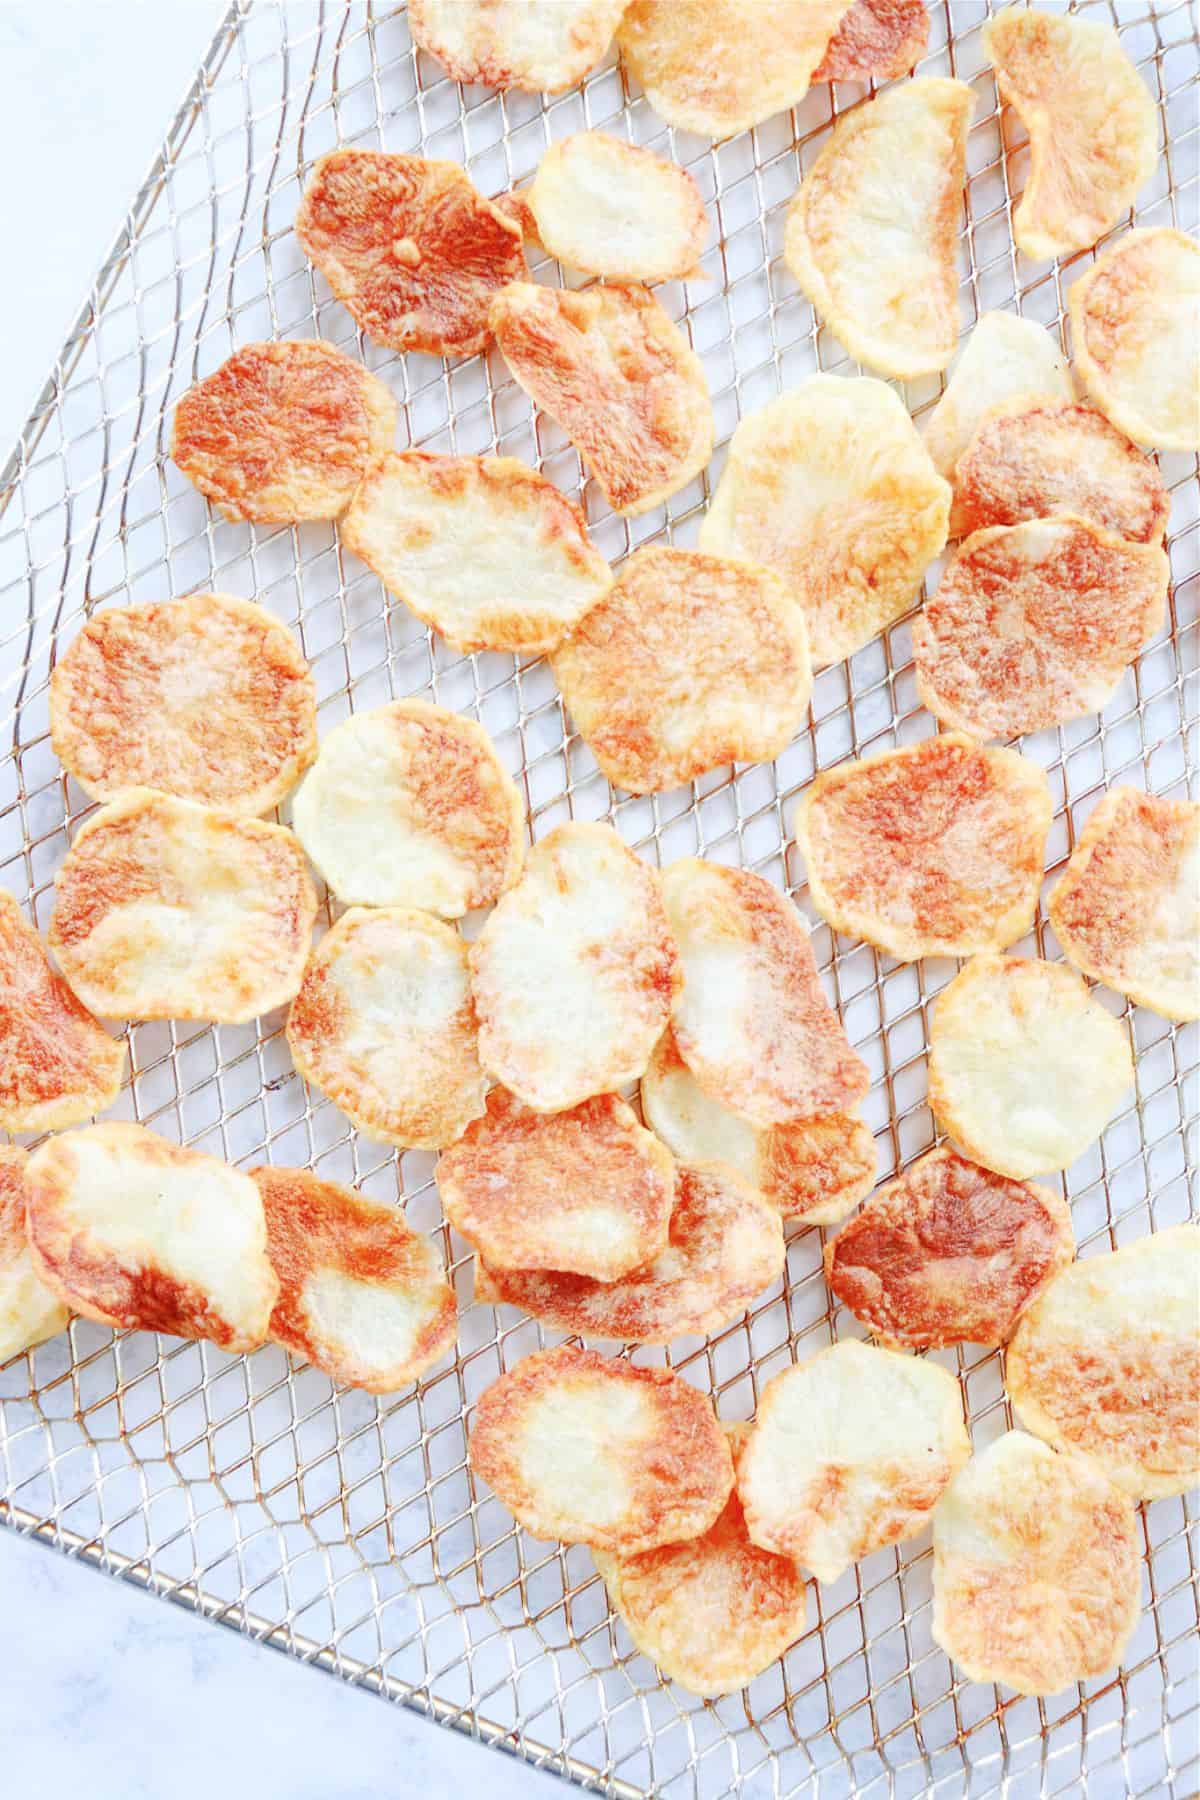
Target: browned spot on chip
877, 40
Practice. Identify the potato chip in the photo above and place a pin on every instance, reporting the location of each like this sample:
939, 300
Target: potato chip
29, 1312
1035, 624
282, 432
482, 548
588, 1191
207, 697
936, 849
849, 1452
689, 662
361, 1296
383, 1024
877, 40
1127, 909
143, 1235
1004, 359
1135, 326
575, 971
871, 233
515, 206
409, 247
587, 1448
1025, 1068
1093, 127
1106, 1363
619, 377
1036, 1569
409, 805
752, 1022
541, 46
169, 910
831, 487
610, 208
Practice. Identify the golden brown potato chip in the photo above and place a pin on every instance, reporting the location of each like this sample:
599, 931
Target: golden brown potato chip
29, 1312
541, 46
1135, 325
1005, 359
877, 40
614, 209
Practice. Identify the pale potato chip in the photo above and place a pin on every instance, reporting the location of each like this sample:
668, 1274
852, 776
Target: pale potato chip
849, 1452
383, 1024
1127, 909
936, 849
412, 250
587, 1448
619, 377
877, 40
1093, 127
610, 208
482, 548
409, 805
207, 697
141, 1234
1003, 360
1107, 1363
1035, 624
831, 488
588, 1191
169, 910
1036, 1569
689, 662
540, 46
752, 1022
361, 1295
871, 233
282, 432
575, 971
29, 1312
1135, 326
1025, 1068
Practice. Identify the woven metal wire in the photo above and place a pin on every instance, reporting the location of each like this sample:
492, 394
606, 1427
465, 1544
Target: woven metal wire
346, 1529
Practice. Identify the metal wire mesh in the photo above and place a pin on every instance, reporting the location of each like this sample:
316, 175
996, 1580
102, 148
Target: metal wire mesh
347, 1529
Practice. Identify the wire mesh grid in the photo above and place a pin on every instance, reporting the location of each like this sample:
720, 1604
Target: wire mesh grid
346, 1529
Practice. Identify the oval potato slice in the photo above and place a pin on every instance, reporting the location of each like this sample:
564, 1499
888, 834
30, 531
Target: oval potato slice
878, 40
29, 1312
614, 209
540, 46
1135, 326
1003, 360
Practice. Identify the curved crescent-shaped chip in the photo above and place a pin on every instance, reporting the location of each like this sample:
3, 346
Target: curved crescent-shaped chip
29, 1312
383, 1024
688, 663
1093, 127
1106, 1362
587, 1448
207, 697
482, 548
282, 432
587, 1192
412, 250
141, 1234
849, 1451
936, 849
361, 1295
540, 46
1004, 359
752, 1022
409, 805
169, 910
619, 377
1135, 325
1035, 624
871, 233
878, 40
1025, 1068
614, 209
1127, 909
575, 971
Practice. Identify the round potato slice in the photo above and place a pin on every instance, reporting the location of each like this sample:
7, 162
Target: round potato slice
1093, 127
611, 208
138, 1233
1106, 1362
936, 849
831, 488
540, 46
1025, 1068
29, 1312
877, 40
689, 662
1137, 347
207, 697
587, 1448
482, 548
1005, 359
383, 1024
575, 971
871, 233
361, 1296
169, 910
1127, 909
619, 377
409, 247
1036, 1569
409, 805
849, 1452
1035, 624
282, 432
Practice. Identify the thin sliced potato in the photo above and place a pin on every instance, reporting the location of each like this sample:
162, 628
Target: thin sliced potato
29, 1312
1003, 360
611, 208
539, 46
1135, 325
